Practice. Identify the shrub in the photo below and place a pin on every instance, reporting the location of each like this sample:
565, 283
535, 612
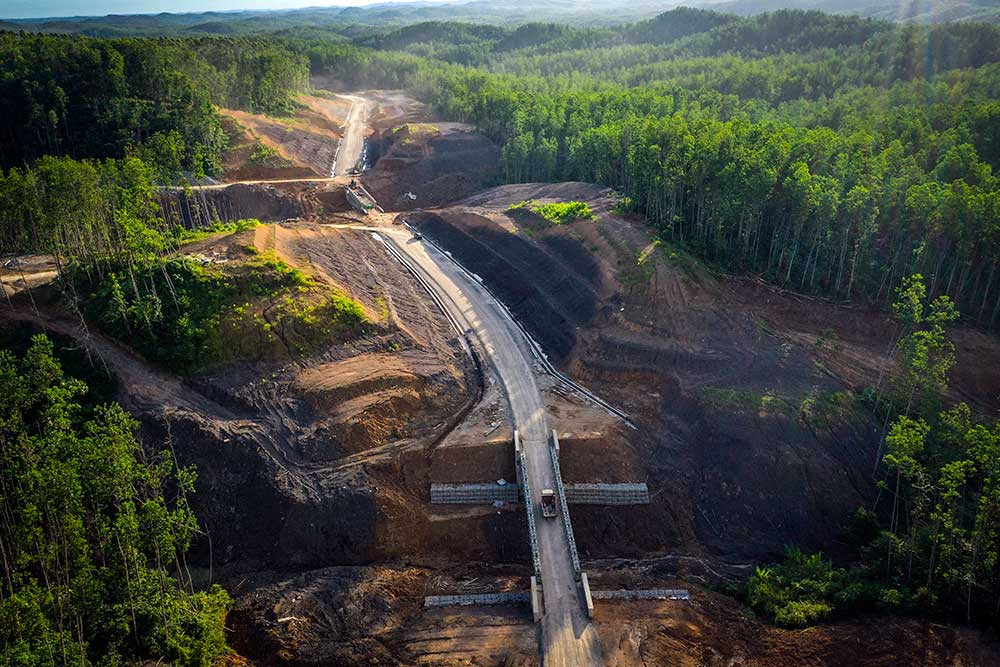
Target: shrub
189, 316
804, 589
557, 213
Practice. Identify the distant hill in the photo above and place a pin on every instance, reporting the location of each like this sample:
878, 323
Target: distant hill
500, 12
921, 11
357, 21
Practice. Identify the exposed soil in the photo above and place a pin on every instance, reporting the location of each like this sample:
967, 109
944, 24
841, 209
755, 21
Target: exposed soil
748, 438
23, 272
202, 207
331, 450
374, 615
314, 470
239, 163
715, 631
305, 143
436, 163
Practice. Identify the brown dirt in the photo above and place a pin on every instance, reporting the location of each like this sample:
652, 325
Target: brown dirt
332, 450
237, 162
306, 141
324, 461
715, 631
374, 615
436, 162
25, 272
203, 207
746, 436
356, 615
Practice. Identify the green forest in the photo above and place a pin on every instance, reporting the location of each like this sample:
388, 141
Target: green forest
832, 156
150, 98
94, 531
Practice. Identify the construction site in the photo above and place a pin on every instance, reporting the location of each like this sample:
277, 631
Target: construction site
551, 445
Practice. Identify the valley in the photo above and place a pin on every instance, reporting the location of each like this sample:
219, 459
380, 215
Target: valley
338, 448
639, 338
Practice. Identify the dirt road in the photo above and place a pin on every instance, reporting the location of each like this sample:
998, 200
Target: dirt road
348, 155
353, 143
260, 181
568, 637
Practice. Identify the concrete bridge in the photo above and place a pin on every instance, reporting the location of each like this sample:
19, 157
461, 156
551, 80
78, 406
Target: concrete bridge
568, 639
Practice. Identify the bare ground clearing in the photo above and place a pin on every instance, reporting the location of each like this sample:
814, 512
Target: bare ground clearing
314, 470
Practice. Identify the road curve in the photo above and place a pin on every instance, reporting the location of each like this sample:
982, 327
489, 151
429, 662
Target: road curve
568, 638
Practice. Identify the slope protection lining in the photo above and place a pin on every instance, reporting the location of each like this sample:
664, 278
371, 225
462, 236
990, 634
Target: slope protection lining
551, 302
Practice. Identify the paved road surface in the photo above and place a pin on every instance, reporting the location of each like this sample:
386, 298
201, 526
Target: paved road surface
353, 142
568, 637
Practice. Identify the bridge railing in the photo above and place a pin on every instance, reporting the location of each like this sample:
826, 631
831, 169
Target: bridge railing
561, 492
529, 505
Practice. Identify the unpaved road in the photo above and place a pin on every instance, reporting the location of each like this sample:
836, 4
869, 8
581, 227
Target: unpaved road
568, 637
347, 157
260, 181
353, 143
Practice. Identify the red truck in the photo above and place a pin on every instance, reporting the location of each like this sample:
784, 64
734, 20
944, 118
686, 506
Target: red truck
548, 503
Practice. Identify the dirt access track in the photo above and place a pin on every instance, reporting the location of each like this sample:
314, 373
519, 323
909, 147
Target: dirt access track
314, 469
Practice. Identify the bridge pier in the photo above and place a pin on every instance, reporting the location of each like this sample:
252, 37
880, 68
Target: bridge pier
587, 599
536, 600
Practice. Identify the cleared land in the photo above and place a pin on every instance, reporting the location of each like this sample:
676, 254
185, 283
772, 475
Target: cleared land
314, 469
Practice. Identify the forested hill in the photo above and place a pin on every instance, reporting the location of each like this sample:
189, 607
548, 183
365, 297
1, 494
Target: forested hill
922, 11
830, 155
95, 98
352, 21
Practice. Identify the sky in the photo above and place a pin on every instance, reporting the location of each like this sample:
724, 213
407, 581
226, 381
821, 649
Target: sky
23, 9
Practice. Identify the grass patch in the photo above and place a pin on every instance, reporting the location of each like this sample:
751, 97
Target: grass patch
762, 401
189, 316
824, 408
410, 133
266, 156
815, 409
185, 236
557, 213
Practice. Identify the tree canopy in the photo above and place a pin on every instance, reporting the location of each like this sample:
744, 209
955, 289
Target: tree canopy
93, 532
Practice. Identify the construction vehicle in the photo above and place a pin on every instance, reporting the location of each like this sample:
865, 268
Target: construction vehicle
548, 503
361, 199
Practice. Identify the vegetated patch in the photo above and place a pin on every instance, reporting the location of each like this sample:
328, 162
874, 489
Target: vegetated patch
806, 588
248, 156
16, 337
191, 312
186, 236
764, 402
817, 408
556, 213
266, 156
83, 465
413, 133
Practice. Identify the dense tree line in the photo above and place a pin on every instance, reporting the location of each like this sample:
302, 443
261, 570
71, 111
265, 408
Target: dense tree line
93, 532
832, 176
97, 98
88, 212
